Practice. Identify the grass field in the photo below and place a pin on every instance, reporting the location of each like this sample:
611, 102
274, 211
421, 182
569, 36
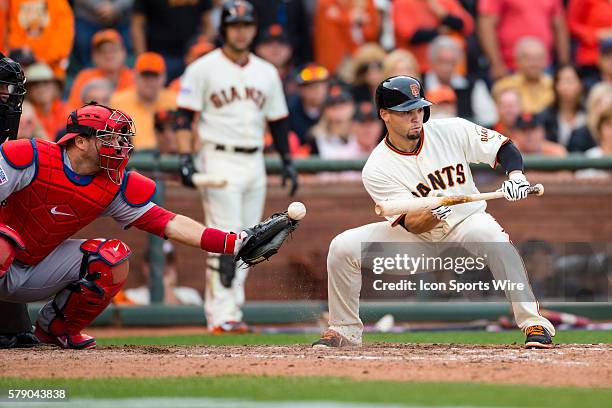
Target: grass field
297, 392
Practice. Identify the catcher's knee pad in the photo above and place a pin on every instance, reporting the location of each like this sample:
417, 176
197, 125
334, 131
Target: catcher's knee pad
104, 270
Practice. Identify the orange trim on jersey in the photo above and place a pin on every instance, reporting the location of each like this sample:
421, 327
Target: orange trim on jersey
234, 62
396, 150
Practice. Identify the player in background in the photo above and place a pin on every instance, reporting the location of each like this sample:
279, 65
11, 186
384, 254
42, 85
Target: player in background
418, 158
230, 96
52, 190
15, 324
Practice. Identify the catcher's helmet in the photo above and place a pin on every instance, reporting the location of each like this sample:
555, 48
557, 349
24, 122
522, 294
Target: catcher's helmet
235, 12
112, 127
12, 92
402, 94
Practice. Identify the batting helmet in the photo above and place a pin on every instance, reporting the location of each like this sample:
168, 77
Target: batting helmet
12, 92
402, 94
235, 12
112, 127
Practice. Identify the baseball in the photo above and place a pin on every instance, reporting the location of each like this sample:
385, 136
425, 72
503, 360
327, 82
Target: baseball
296, 210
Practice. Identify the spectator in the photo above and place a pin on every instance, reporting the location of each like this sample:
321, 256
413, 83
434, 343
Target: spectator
108, 55
367, 129
91, 16
29, 125
168, 27
530, 137
293, 17
603, 137
44, 26
530, 80
305, 108
98, 90
367, 72
164, 123
400, 62
444, 102
43, 91
566, 113
503, 23
331, 137
340, 27
274, 47
590, 22
605, 61
146, 98
473, 99
428, 19
599, 100
508, 103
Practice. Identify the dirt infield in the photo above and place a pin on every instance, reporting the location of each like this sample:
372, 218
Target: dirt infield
574, 365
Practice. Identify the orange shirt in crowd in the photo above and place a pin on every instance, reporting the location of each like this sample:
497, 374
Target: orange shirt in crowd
409, 16
334, 33
585, 18
55, 120
44, 26
3, 18
143, 115
126, 80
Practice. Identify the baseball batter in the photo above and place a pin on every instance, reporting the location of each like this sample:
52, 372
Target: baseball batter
234, 95
421, 158
49, 191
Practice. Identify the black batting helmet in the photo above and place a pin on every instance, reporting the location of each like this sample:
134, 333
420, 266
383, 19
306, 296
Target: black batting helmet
235, 12
12, 92
402, 94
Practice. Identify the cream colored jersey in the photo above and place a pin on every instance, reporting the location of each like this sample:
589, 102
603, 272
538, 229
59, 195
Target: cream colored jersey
235, 101
440, 165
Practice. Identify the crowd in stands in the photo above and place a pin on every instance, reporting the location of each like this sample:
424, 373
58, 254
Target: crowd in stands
539, 72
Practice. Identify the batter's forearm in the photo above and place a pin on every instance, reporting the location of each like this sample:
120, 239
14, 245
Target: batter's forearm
418, 223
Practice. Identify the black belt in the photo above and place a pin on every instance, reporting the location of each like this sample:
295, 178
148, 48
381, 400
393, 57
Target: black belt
236, 149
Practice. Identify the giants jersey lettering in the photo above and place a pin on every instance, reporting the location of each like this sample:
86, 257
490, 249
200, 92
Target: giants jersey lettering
235, 101
439, 166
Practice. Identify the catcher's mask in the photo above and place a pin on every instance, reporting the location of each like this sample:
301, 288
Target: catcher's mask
112, 128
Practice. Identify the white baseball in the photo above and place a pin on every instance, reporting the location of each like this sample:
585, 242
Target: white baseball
296, 210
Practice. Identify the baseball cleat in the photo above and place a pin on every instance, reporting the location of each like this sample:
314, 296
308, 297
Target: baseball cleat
231, 328
68, 341
538, 337
331, 339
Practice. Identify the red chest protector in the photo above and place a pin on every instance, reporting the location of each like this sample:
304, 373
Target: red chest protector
53, 207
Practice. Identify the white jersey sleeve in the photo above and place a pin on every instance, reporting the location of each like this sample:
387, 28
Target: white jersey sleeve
276, 105
481, 144
190, 93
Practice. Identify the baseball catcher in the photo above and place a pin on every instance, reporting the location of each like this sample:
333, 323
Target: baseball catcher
52, 190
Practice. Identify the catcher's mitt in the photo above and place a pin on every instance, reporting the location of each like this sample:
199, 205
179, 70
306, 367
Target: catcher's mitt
264, 239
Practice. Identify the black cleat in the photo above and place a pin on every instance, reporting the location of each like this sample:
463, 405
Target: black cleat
538, 338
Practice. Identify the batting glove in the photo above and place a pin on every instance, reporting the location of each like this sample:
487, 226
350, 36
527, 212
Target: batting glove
441, 212
516, 187
187, 169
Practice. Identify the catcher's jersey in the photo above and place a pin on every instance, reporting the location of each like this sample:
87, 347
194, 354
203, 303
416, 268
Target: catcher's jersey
234, 101
440, 166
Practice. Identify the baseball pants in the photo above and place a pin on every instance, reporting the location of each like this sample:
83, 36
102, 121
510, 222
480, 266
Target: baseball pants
344, 267
237, 206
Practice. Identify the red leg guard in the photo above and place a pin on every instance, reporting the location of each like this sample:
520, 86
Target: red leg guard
7, 254
103, 272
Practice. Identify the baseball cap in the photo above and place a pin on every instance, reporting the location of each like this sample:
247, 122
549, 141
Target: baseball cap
274, 33
39, 72
441, 94
150, 62
337, 95
312, 73
103, 36
365, 112
528, 121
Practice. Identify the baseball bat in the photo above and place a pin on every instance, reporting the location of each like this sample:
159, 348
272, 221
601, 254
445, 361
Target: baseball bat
202, 180
398, 207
